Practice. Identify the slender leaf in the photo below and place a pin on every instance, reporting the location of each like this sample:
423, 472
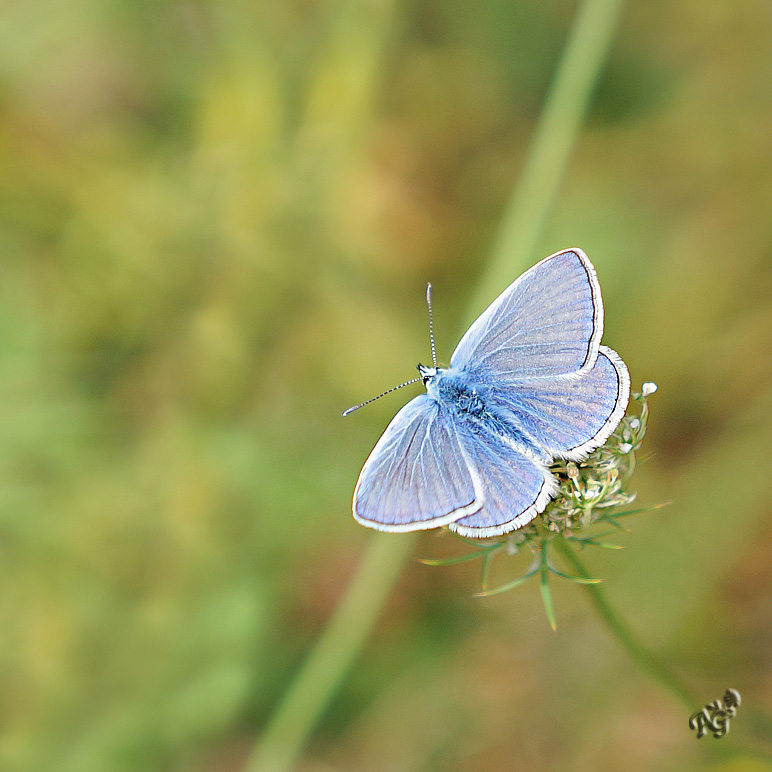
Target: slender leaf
482, 553
508, 586
546, 597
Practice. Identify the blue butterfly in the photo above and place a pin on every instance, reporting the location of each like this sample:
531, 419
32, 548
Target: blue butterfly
528, 383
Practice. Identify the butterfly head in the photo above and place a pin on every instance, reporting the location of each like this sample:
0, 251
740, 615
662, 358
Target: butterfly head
427, 373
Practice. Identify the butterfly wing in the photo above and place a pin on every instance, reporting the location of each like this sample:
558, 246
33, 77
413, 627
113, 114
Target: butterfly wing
569, 418
513, 487
548, 322
416, 476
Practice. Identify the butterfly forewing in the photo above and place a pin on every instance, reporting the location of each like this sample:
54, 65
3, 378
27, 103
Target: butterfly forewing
548, 322
417, 476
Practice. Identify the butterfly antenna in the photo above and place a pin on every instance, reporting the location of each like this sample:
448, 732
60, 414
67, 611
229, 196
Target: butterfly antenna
388, 391
431, 323
414, 380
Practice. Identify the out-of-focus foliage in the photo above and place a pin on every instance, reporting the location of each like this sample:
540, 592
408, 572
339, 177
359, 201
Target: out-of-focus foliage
216, 223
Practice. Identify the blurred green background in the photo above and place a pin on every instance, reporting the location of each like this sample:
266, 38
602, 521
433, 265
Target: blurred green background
216, 226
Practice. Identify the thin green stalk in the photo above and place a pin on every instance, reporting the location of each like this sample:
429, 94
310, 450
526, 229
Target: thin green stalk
566, 103
645, 659
331, 658
555, 134
654, 667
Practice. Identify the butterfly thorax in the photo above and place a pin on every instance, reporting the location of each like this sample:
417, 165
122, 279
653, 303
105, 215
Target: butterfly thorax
453, 388
461, 394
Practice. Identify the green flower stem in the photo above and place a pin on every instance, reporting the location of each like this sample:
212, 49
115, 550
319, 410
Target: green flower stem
320, 676
645, 659
554, 136
566, 104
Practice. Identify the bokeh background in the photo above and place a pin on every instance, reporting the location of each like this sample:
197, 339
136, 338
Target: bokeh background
216, 224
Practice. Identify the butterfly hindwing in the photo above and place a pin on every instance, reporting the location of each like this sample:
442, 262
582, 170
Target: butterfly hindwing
568, 418
416, 476
513, 487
